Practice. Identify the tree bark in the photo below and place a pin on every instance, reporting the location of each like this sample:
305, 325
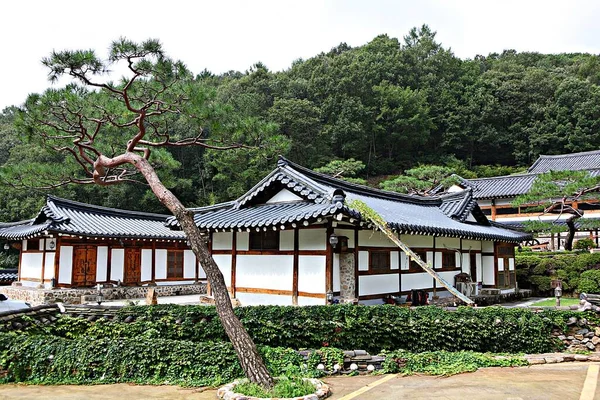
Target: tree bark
248, 355
571, 234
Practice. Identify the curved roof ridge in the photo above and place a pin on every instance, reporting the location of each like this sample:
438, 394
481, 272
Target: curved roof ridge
356, 188
58, 201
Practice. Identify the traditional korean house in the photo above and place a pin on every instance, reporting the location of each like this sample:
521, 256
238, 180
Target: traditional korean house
291, 239
496, 194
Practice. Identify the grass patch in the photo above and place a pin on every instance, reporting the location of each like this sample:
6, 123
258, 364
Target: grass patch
283, 388
564, 301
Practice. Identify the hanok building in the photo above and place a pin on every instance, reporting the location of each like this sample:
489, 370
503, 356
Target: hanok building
291, 239
496, 194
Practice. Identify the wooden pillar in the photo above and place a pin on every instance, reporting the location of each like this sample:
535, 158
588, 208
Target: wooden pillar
56, 260
328, 260
210, 243
433, 266
596, 237
233, 262
43, 261
153, 263
295, 267
493, 210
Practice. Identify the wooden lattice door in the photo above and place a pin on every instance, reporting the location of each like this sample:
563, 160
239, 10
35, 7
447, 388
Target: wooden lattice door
84, 266
133, 264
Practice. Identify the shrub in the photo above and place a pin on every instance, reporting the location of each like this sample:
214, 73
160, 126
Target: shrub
282, 388
372, 328
584, 244
589, 282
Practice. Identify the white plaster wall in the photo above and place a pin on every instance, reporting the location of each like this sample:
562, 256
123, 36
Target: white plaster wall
504, 202
479, 266
224, 263
471, 244
374, 239
101, 263
488, 270
457, 259
189, 264
447, 243
201, 273
466, 263
417, 241
243, 241
438, 259
487, 246
511, 264
310, 301
448, 276
376, 284
363, 260
348, 233
27, 283
65, 264
222, 240
484, 203
394, 260
265, 271
286, 240
259, 299
336, 272
31, 265
404, 262
312, 239
501, 264
24, 245
160, 269
49, 266
284, 196
146, 273
420, 280
311, 274
117, 261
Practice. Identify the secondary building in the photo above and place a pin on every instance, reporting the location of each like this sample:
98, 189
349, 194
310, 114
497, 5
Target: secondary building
291, 239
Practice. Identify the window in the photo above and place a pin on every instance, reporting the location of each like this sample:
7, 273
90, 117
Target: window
379, 261
413, 266
448, 260
33, 244
266, 240
175, 264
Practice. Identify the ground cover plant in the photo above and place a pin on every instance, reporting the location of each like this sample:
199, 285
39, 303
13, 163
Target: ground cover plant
283, 388
564, 301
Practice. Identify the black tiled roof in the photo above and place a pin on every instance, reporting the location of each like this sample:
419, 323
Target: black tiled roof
9, 275
323, 196
562, 162
75, 218
504, 186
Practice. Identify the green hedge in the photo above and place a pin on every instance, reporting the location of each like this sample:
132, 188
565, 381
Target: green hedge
536, 271
372, 328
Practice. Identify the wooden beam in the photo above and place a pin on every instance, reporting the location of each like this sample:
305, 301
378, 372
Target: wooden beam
329, 260
233, 262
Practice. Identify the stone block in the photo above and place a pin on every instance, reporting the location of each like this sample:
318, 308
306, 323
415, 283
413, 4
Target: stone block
594, 358
534, 361
590, 346
553, 360
579, 337
360, 352
581, 357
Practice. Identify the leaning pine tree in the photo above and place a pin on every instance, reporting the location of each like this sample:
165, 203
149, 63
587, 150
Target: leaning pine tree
117, 132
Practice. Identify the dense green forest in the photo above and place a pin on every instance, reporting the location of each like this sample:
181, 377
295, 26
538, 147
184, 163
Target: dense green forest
391, 104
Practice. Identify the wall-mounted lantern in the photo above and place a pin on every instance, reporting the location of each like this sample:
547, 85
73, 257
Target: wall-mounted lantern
339, 243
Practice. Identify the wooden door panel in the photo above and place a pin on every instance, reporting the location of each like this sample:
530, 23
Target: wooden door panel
133, 264
84, 266
90, 273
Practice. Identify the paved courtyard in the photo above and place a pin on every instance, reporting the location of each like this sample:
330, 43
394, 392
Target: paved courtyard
566, 381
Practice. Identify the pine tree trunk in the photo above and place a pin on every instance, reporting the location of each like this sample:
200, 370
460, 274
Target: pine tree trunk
571, 234
248, 355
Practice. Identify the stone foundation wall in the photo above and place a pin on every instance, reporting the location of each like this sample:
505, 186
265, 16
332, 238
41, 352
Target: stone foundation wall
73, 296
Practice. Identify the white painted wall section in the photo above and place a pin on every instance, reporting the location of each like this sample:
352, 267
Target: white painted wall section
311, 274
363, 260
243, 241
222, 240
286, 240
404, 262
65, 264
312, 239
160, 268
488, 270
101, 263
49, 266
224, 263
374, 239
417, 241
348, 233
501, 264
117, 261
378, 284
478, 266
416, 281
336, 272
189, 264
394, 260
466, 263
447, 243
511, 264
487, 246
31, 265
310, 301
259, 299
265, 271
51, 244
146, 268
284, 196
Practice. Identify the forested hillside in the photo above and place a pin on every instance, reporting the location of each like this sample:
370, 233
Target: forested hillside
392, 104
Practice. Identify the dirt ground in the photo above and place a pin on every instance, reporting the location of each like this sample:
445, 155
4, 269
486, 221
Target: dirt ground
544, 382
